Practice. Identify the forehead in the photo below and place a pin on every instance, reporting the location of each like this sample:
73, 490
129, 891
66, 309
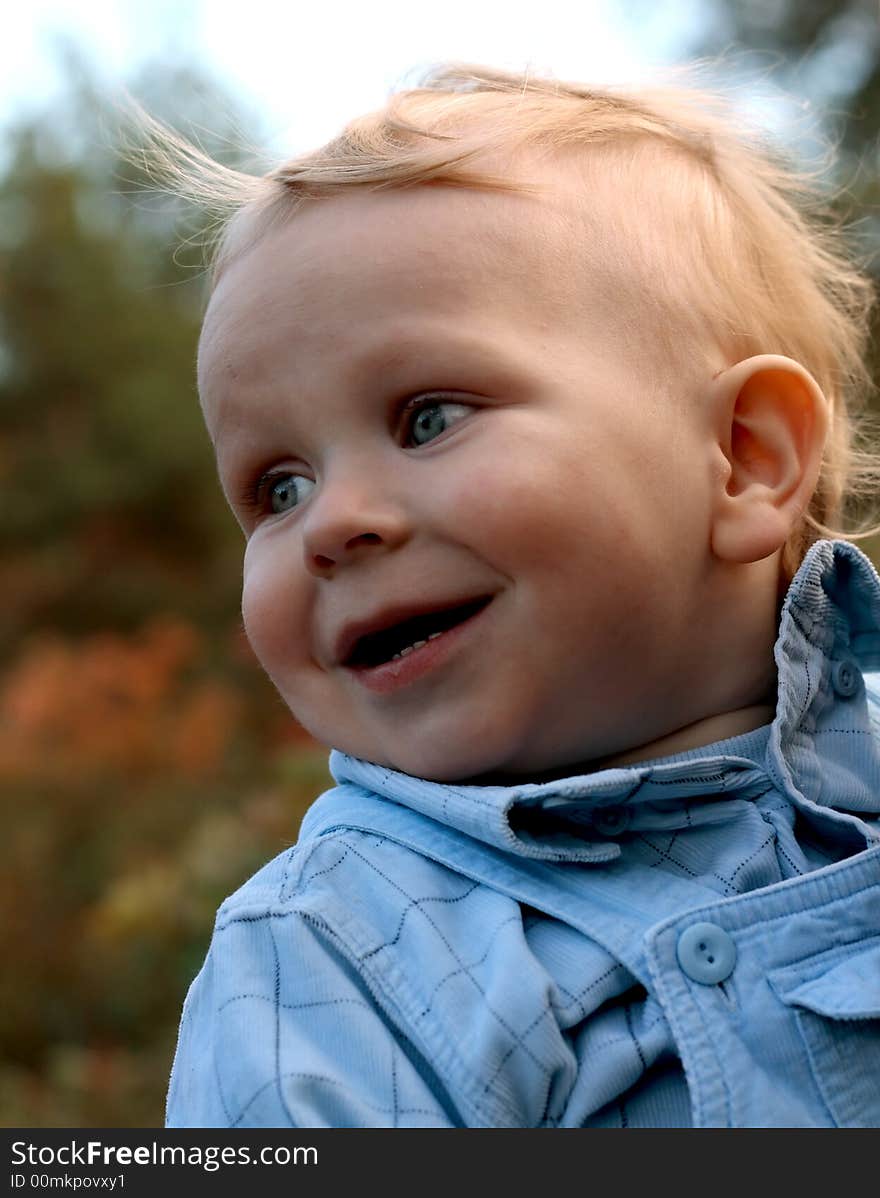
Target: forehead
365, 271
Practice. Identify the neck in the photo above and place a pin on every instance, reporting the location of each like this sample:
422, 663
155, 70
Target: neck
694, 736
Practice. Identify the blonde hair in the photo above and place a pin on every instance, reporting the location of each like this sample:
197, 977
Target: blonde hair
762, 262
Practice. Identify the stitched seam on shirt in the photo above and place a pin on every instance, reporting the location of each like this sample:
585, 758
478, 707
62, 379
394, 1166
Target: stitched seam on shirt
454, 972
577, 999
680, 864
672, 840
302, 854
330, 1081
769, 790
663, 853
800, 625
797, 870
721, 1071
394, 1098
473, 798
815, 1071
808, 699
848, 731
837, 955
325, 927
416, 904
502, 1022
772, 810
690, 824
291, 853
226, 1110
621, 1039
744, 901
296, 1006
520, 1043
664, 999
281, 1097
728, 882
752, 856
837, 898
412, 902
627, 1014
700, 778
320, 922
448, 792
328, 869
681, 1035
765, 816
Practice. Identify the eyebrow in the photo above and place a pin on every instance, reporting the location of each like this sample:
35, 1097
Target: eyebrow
387, 354
419, 352
414, 350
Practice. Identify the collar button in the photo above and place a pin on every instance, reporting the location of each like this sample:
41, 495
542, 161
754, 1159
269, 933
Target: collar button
611, 821
845, 678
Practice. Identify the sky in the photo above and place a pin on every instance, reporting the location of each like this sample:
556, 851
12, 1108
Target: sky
307, 66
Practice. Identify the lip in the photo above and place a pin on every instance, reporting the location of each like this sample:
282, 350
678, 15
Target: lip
388, 617
391, 676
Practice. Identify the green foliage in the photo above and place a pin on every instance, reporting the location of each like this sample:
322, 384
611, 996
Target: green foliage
105, 457
146, 766
828, 53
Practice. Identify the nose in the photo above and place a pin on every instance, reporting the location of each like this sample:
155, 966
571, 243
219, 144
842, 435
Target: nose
347, 519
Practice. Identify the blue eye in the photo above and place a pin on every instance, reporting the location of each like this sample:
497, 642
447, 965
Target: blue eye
287, 491
432, 419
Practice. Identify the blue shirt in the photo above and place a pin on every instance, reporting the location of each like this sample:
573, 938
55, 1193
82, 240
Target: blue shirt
689, 941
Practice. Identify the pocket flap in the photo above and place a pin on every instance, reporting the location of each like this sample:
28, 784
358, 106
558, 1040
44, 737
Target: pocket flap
841, 984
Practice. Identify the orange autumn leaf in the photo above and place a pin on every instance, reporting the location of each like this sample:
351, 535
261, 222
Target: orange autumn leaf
203, 728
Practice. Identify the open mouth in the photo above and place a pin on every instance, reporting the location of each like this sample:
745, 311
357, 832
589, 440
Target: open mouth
397, 641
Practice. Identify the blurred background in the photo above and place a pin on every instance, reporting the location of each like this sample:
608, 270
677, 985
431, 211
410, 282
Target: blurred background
146, 766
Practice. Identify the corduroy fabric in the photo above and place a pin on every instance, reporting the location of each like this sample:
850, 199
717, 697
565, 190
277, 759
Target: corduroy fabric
433, 955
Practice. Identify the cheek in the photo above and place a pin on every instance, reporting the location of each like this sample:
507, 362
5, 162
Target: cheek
544, 503
267, 607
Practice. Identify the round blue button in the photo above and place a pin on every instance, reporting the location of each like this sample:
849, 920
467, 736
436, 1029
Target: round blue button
845, 678
706, 953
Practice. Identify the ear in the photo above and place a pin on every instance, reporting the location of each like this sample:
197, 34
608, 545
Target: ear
771, 422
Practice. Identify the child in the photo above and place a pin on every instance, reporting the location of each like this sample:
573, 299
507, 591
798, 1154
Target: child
534, 404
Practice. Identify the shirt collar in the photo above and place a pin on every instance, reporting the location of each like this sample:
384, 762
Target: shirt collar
820, 750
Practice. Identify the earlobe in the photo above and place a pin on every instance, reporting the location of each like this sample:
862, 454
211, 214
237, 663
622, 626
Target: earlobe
771, 422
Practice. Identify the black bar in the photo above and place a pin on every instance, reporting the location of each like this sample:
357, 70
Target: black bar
132, 1163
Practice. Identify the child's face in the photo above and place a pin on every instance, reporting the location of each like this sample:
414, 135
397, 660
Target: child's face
541, 473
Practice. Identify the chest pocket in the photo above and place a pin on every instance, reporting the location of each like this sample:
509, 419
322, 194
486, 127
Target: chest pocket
835, 999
